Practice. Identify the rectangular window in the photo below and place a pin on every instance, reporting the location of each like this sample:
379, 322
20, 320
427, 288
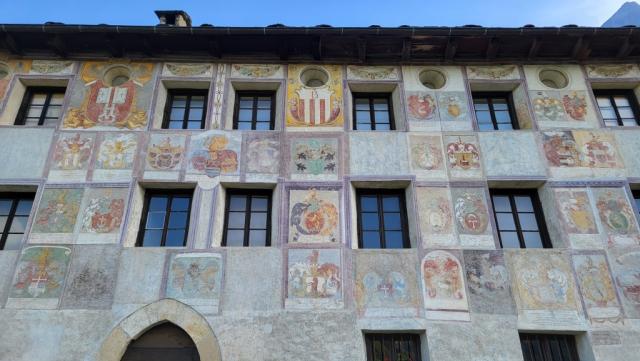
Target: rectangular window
618, 107
247, 218
372, 111
494, 111
165, 218
519, 218
14, 214
254, 110
636, 198
382, 219
185, 109
41, 106
393, 347
541, 347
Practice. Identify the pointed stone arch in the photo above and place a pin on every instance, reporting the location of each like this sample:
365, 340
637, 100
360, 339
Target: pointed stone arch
166, 310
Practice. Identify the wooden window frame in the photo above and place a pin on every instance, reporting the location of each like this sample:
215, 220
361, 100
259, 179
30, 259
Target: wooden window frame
21, 118
544, 348
255, 94
380, 193
537, 211
249, 193
170, 193
489, 96
372, 116
390, 339
189, 93
611, 93
15, 197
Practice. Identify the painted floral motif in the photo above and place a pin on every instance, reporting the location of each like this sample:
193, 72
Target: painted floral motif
388, 290
575, 209
188, 69
104, 211
597, 288
314, 156
496, 72
72, 152
463, 155
471, 213
214, 156
575, 105
544, 282
40, 272
547, 106
426, 152
422, 106
58, 211
256, 71
314, 217
373, 72
194, 276
314, 106
435, 210
314, 274
117, 151
628, 279
560, 149
615, 212
609, 71
164, 155
263, 155
453, 106
443, 281
50, 66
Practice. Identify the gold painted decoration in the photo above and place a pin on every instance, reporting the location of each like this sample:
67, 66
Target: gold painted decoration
255, 70
316, 104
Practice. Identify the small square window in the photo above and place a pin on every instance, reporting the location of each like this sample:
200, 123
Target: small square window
519, 219
165, 218
382, 219
15, 209
247, 218
551, 347
617, 107
185, 109
372, 111
394, 346
254, 110
494, 111
41, 106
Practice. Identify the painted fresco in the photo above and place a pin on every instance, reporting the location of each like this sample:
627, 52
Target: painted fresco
598, 150
314, 106
611, 70
425, 152
255, 70
493, 72
314, 274
40, 273
51, 67
488, 282
453, 106
576, 211
597, 289
560, 149
314, 216
421, 106
188, 69
470, 211
58, 211
372, 72
443, 282
521, 105
104, 210
106, 106
386, 285
194, 276
117, 151
7, 69
463, 152
548, 106
165, 152
575, 104
435, 216
218, 95
627, 276
616, 216
214, 153
314, 157
262, 154
73, 151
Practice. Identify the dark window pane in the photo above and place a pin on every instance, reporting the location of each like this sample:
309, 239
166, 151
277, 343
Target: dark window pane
197, 101
152, 238
257, 238
392, 221
155, 220
383, 126
259, 204
246, 103
24, 207
391, 204
235, 238
532, 240
371, 239
523, 204
194, 125
237, 203
263, 126
369, 203
5, 206
528, 221
236, 219
258, 221
175, 238
19, 224
501, 204
380, 104
363, 126
503, 117
393, 239
196, 114
483, 116
509, 240
370, 221
245, 115
244, 126
179, 101
177, 114
3, 222
363, 116
505, 222
263, 115
180, 204
486, 126
178, 220
264, 103
382, 117
175, 124
13, 241
362, 104
158, 204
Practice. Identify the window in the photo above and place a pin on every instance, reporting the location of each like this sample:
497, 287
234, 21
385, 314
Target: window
185, 109
519, 218
254, 110
636, 198
14, 214
494, 111
393, 347
372, 111
539, 347
247, 218
382, 219
165, 219
41, 106
618, 107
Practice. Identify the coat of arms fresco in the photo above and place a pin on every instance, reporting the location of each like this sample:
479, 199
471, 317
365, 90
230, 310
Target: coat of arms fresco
470, 211
627, 277
117, 151
434, 210
547, 106
597, 289
314, 274
165, 153
263, 155
104, 210
72, 152
453, 106
463, 153
488, 281
58, 211
40, 272
314, 216
426, 152
576, 212
314, 156
443, 281
314, 105
194, 276
575, 104
615, 211
214, 154
421, 106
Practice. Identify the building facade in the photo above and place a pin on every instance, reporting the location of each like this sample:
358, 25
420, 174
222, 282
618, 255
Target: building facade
318, 193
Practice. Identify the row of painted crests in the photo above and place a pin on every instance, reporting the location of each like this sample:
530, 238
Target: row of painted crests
450, 284
116, 95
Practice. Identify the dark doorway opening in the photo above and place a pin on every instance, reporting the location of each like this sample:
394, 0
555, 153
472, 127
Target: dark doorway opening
164, 342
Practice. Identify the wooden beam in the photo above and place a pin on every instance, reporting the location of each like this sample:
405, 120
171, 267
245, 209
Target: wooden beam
406, 49
492, 48
582, 48
361, 44
533, 49
625, 48
11, 44
215, 48
316, 48
114, 46
57, 45
452, 48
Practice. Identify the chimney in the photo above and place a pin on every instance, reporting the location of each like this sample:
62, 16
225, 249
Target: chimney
173, 18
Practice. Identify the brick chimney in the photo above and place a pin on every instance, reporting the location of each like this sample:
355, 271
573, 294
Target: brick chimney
173, 18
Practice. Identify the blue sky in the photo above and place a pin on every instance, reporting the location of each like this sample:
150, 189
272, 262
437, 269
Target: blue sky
301, 13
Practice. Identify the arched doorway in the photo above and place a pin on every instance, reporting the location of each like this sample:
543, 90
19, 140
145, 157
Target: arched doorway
163, 342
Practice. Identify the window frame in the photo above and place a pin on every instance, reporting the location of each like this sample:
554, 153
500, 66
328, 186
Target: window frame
255, 94
489, 96
611, 93
537, 211
404, 221
170, 193
384, 338
543, 341
15, 197
21, 117
247, 214
372, 118
189, 93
